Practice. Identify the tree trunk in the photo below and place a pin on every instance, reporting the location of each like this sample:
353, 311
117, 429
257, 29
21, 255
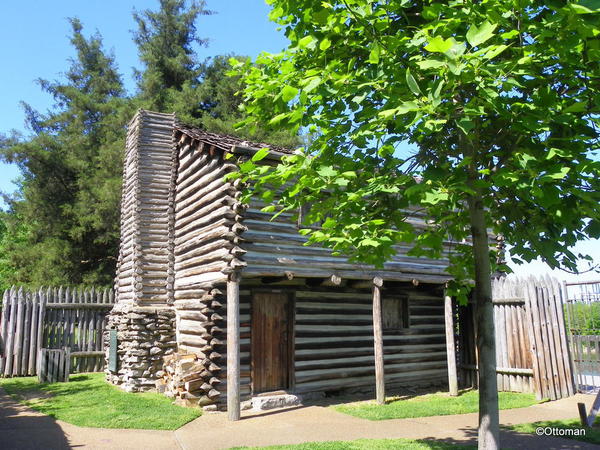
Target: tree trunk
486, 345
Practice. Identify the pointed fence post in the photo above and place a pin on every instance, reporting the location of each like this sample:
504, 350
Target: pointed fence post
233, 346
378, 341
450, 346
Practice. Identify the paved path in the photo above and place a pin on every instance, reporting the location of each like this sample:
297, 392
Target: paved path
22, 428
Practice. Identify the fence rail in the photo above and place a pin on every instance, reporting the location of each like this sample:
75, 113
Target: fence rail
52, 318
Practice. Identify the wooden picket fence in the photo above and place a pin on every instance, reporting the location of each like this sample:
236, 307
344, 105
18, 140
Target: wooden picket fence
532, 351
54, 365
52, 318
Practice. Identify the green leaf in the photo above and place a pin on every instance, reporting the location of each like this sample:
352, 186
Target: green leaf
327, 171
404, 108
288, 93
306, 42
492, 94
359, 98
575, 107
312, 84
412, 83
387, 113
586, 6
557, 175
278, 118
246, 166
465, 124
368, 242
329, 223
478, 35
495, 50
268, 208
430, 64
261, 154
325, 44
439, 45
375, 53
276, 13
438, 89
407, 107
433, 198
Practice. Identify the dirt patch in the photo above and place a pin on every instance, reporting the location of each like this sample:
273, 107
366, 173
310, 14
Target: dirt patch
345, 396
33, 396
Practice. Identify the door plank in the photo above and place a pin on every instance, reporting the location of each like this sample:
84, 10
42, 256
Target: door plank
270, 341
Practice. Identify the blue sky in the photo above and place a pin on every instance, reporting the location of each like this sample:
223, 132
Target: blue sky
34, 44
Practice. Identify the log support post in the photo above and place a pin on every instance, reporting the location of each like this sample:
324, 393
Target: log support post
450, 346
233, 346
378, 341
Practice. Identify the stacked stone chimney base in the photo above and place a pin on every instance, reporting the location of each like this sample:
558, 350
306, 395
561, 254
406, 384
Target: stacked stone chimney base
145, 335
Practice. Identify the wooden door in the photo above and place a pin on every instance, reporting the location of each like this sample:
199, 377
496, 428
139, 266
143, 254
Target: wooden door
272, 337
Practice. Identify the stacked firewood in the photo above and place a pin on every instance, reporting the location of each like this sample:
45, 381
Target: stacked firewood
189, 379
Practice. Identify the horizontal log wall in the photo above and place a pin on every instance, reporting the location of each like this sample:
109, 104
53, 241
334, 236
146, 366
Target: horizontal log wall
145, 266
207, 219
207, 225
334, 338
275, 247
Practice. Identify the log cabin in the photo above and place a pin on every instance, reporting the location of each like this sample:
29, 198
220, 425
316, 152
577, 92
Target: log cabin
217, 305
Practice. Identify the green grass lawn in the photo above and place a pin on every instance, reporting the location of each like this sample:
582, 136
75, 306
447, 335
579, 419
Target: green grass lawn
439, 404
368, 444
88, 401
592, 435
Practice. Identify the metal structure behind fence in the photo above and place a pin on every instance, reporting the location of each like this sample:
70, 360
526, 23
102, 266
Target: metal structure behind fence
53, 318
583, 314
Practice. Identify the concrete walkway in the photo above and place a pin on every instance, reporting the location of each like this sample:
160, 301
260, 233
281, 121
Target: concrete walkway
22, 428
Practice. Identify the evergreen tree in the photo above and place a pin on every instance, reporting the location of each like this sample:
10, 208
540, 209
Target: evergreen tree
71, 173
166, 40
63, 225
174, 80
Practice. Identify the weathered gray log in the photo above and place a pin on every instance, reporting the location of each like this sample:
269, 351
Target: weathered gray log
378, 341
203, 235
450, 347
201, 219
233, 347
254, 270
203, 179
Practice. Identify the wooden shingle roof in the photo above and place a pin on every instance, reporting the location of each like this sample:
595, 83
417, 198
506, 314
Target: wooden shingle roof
230, 143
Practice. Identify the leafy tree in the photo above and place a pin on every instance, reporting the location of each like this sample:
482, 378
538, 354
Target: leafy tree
221, 103
71, 173
500, 100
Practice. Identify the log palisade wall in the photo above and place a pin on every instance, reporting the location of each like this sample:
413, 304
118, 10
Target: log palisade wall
184, 231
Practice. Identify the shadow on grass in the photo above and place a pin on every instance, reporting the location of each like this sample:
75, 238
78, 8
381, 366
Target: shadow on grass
511, 439
21, 428
27, 388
